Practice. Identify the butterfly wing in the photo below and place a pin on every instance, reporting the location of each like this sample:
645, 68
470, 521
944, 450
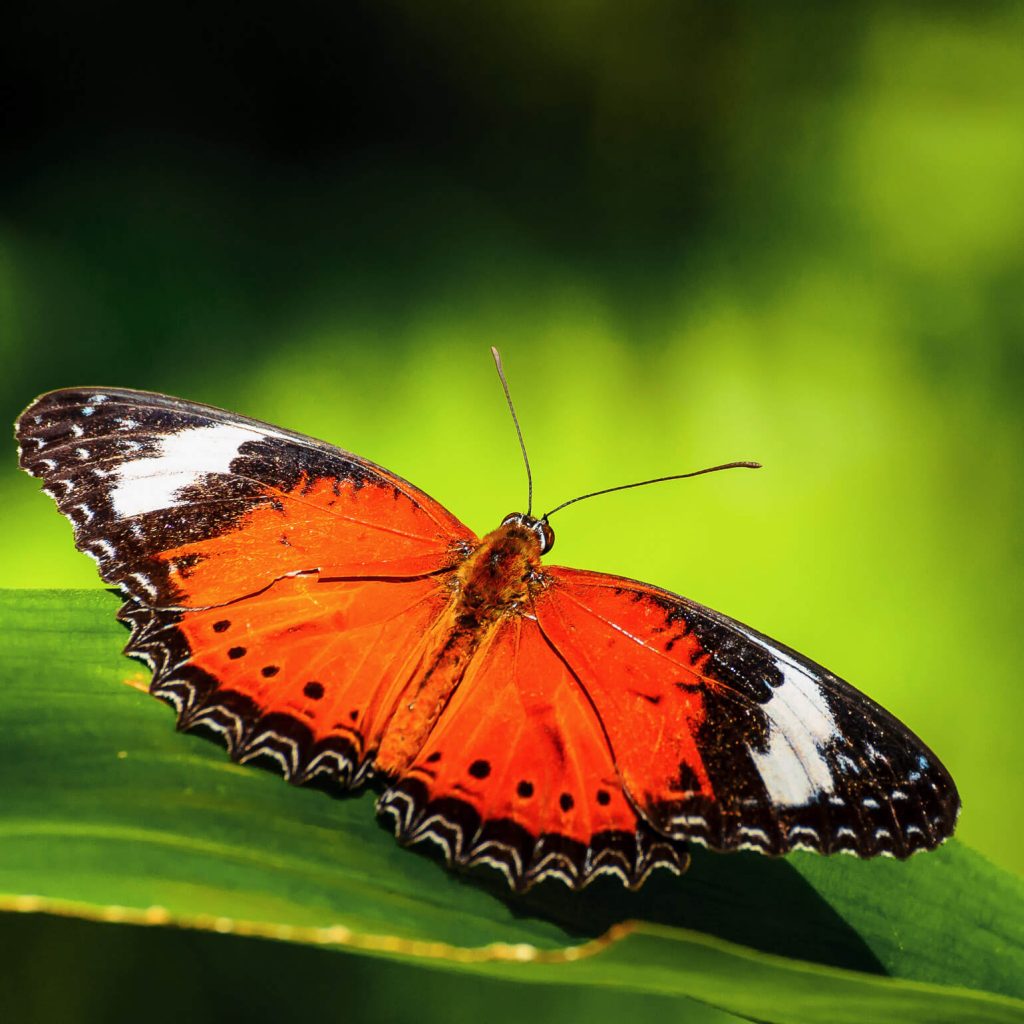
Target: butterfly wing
184, 505
518, 773
723, 736
302, 675
278, 587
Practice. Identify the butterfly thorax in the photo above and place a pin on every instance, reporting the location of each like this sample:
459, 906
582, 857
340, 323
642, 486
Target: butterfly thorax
495, 581
497, 578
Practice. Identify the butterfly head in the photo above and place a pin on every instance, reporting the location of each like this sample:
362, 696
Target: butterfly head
539, 527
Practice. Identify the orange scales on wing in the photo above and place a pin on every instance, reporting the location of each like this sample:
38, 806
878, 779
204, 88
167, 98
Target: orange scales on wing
646, 680
332, 655
481, 708
336, 527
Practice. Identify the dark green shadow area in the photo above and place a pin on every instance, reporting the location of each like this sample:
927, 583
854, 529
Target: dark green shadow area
750, 900
942, 915
164, 976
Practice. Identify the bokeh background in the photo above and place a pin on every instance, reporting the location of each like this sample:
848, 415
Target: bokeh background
698, 232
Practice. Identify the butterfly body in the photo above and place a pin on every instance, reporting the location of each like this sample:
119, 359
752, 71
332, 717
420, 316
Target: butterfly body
495, 582
320, 614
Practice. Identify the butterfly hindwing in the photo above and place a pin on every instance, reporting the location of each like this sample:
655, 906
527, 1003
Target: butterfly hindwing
301, 675
185, 505
518, 774
727, 738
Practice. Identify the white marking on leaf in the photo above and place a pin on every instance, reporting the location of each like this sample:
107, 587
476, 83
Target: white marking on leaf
184, 459
794, 768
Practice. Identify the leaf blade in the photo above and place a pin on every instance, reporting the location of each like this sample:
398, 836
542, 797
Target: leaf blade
107, 807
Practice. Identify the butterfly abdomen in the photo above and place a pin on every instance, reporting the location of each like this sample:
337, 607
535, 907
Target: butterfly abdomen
424, 699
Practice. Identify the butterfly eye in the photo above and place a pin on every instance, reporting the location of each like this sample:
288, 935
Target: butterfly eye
546, 534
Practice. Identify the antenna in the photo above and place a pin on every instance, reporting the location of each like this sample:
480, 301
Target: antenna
644, 483
519, 433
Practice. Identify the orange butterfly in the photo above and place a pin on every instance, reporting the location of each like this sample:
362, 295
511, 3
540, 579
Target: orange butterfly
320, 613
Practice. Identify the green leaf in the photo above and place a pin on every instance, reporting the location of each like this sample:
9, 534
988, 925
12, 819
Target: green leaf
110, 814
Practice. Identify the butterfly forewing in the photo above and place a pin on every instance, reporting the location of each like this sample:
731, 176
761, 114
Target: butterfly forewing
185, 505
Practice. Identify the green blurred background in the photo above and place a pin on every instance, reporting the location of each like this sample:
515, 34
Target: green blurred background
698, 232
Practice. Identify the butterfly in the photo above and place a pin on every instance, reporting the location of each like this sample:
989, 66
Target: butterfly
321, 614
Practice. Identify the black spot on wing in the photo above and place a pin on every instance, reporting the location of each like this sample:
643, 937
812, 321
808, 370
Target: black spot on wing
654, 699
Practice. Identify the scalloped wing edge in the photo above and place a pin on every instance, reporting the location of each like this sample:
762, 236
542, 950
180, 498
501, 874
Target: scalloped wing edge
274, 739
522, 857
